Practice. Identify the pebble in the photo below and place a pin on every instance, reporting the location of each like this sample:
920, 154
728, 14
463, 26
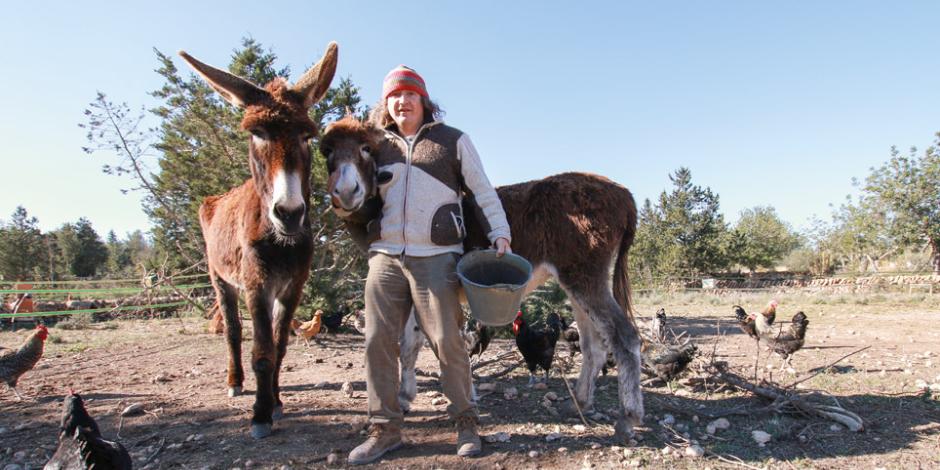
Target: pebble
718, 424
694, 451
433, 394
332, 459
579, 428
347, 389
439, 401
562, 450
498, 437
695, 419
553, 437
920, 383
19, 456
487, 387
510, 393
162, 378
533, 454
760, 437
668, 420
935, 387
541, 386
551, 396
249, 463
835, 428
595, 446
628, 453
666, 450
322, 384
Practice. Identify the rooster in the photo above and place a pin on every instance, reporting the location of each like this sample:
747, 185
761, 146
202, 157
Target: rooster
81, 445
764, 322
746, 322
785, 344
477, 338
14, 364
308, 329
537, 347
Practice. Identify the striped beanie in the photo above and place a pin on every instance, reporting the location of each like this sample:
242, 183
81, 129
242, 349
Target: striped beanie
403, 78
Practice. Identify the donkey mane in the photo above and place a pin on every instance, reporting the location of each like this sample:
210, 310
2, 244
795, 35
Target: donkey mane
281, 107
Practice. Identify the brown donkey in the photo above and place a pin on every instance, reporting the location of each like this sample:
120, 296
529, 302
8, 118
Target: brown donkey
257, 235
576, 227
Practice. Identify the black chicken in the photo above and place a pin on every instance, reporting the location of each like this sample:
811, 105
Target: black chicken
333, 321
667, 361
537, 347
785, 344
477, 337
81, 445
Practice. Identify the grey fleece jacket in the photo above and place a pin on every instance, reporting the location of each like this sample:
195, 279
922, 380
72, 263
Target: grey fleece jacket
422, 213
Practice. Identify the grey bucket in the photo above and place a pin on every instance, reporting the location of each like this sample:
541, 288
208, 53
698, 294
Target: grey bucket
494, 286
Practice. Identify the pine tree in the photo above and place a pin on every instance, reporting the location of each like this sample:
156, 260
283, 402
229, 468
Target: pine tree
22, 247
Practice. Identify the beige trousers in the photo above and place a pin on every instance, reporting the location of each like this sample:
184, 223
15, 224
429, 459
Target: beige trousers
393, 286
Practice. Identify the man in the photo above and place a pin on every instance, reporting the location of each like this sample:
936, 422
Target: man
426, 167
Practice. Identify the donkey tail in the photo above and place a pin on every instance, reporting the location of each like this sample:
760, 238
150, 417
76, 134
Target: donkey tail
622, 292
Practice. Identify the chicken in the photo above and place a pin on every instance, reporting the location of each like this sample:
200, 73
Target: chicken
785, 344
658, 326
666, 361
13, 364
81, 445
477, 338
360, 323
333, 321
746, 322
571, 336
537, 347
764, 322
308, 329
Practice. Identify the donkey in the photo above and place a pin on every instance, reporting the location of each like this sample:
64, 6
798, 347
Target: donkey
258, 237
576, 227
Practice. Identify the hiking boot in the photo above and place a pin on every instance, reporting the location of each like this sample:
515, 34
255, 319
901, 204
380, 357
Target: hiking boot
383, 437
468, 441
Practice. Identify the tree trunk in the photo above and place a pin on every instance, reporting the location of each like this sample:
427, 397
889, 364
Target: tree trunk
935, 255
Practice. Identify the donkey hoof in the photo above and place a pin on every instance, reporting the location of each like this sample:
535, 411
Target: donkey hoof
278, 412
260, 430
234, 392
623, 431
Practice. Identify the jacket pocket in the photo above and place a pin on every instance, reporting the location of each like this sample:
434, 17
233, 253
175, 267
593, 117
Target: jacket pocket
447, 225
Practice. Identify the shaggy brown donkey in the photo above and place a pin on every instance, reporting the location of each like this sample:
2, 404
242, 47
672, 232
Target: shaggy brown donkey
576, 227
257, 235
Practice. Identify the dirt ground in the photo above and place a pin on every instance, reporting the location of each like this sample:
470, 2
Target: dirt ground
177, 372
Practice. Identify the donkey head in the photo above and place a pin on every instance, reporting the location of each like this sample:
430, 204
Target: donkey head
350, 147
278, 151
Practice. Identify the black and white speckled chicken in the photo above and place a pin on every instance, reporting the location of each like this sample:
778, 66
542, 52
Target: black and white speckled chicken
667, 361
81, 446
788, 342
476, 337
572, 336
658, 326
746, 322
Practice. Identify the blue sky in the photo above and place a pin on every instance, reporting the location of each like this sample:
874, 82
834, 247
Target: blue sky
776, 104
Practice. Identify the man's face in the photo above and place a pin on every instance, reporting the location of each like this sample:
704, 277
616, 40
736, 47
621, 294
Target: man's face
405, 108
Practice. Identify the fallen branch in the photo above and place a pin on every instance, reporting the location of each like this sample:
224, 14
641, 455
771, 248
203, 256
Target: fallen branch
493, 360
155, 454
505, 371
822, 369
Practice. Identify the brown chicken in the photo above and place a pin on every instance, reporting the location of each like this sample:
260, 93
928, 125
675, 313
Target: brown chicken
308, 329
14, 364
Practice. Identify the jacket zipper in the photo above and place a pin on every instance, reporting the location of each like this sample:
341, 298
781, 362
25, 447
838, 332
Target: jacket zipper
404, 208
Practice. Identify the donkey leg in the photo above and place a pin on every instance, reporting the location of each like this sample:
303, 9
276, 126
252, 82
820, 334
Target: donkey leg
263, 361
593, 354
411, 341
228, 302
283, 313
622, 339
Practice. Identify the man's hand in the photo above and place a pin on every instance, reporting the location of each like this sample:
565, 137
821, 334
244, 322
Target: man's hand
502, 247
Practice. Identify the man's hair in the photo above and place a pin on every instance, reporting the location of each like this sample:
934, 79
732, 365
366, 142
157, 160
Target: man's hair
380, 117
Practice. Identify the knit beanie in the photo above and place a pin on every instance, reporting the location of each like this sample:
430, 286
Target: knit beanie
403, 78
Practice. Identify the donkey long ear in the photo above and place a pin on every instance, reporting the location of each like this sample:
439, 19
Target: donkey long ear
234, 89
316, 81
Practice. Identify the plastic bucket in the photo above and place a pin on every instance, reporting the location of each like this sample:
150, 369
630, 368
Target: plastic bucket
494, 286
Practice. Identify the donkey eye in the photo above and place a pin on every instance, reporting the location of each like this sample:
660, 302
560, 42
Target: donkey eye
259, 132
